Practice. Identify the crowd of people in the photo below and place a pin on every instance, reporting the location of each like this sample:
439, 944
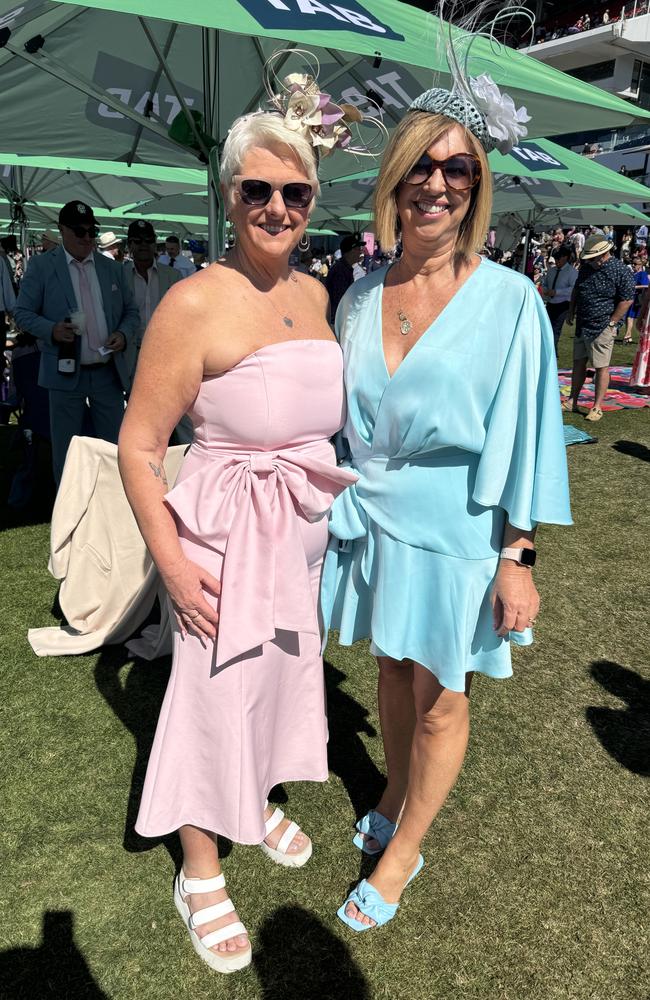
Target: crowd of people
584, 278
600, 15
78, 314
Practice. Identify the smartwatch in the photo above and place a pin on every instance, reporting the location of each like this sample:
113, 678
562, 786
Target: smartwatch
525, 557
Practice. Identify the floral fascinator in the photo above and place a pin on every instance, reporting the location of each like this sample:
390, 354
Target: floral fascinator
476, 102
309, 110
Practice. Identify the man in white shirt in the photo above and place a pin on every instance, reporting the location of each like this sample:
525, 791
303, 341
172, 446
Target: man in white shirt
147, 277
73, 297
174, 258
557, 288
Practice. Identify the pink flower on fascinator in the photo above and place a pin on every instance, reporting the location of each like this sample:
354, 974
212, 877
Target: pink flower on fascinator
313, 112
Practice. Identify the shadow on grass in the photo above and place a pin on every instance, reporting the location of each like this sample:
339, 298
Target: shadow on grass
296, 956
136, 698
623, 732
633, 449
51, 971
348, 757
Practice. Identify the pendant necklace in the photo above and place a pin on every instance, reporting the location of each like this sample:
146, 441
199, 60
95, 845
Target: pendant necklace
285, 319
405, 325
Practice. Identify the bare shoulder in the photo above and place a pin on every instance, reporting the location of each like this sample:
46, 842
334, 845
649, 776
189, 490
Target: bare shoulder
313, 287
187, 303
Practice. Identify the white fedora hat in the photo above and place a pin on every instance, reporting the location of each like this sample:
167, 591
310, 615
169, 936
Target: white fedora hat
108, 240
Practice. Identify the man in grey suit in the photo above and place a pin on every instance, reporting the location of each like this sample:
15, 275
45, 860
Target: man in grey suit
74, 279
148, 279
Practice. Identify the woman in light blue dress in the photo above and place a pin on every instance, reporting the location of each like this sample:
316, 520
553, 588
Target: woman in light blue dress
454, 428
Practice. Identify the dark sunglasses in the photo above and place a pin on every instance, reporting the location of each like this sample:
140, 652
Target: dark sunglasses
295, 194
460, 172
139, 240
81, 231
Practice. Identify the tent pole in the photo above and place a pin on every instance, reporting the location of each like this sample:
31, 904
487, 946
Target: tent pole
20, 189
216, 210
526, 246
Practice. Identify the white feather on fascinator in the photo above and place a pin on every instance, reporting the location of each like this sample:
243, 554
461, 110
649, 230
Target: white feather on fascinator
476, 101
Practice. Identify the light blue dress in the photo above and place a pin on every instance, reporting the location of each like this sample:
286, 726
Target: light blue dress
467, 431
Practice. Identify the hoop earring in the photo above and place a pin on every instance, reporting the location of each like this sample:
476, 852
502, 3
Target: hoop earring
304, 243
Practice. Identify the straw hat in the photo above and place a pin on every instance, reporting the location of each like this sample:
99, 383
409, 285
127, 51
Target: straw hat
51, 235
596, 246
108, 240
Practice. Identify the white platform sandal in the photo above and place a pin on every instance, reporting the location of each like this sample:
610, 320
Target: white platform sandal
219, 961
279, 853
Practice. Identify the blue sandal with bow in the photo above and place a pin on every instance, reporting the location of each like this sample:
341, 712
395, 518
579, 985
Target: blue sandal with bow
375, 827
372, 904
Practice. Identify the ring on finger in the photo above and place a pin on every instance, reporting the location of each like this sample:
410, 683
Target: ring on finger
531, 621
192, 617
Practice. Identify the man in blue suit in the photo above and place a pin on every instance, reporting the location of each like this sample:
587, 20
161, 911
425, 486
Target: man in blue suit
75, 279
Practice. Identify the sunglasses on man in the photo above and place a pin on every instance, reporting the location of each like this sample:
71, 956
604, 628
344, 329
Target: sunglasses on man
460, 172
139, 240
81, 231
295, 194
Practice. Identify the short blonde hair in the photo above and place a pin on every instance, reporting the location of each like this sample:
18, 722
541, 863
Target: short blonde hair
415, 133
264, 129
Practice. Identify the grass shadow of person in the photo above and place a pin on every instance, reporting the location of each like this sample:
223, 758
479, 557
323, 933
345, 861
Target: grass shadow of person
347, 754
623, 732
314, 962
54, 969
135, 697
634, 449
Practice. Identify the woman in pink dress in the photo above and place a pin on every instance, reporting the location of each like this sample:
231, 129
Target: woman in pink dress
244, 346
640, 377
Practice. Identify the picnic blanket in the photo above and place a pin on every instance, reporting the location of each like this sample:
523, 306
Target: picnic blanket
619, 396
573, 435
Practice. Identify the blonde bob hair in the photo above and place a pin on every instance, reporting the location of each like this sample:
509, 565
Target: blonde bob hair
266, 130
415, 133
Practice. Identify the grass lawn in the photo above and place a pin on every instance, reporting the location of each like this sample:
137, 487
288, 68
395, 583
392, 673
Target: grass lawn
536, 882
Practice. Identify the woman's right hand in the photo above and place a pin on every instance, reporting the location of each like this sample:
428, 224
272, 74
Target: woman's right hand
185, 585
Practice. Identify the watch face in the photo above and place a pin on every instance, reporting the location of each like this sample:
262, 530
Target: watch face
528, 557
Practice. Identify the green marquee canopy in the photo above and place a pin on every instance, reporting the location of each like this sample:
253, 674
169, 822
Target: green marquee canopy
105, 79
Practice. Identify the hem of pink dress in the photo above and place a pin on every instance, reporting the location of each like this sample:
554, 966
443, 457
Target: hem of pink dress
146, 830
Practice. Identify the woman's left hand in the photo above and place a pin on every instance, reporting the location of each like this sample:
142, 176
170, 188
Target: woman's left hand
515, 601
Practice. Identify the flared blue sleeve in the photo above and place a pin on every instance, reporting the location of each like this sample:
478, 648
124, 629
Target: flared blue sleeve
523, 466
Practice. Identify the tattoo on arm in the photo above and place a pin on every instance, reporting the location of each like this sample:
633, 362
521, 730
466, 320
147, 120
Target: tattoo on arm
159, 472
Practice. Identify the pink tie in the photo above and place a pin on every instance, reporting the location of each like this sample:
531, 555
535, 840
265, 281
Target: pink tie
88, 306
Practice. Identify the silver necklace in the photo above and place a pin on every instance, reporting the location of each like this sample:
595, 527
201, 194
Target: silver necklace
405, 325
285, 319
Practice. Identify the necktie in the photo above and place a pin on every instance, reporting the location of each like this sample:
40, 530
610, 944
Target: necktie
88, 306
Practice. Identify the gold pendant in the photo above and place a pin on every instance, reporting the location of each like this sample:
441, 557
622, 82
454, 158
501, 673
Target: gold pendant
405, 325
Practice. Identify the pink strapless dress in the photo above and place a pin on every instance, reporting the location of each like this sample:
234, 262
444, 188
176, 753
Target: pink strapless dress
250, 503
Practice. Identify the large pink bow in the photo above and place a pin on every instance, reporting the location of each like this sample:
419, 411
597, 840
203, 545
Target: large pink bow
243, 504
